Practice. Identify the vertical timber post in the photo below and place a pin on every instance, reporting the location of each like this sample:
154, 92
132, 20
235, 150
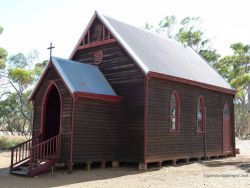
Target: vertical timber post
143, 166
70, 164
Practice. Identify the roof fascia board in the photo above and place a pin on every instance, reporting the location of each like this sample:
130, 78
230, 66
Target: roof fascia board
110, 98
191, 82
96, 44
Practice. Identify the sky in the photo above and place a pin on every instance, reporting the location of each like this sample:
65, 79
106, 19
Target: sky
32, 24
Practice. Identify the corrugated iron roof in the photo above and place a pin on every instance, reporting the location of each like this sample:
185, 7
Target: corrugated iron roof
81, 77
154, 53
162, 55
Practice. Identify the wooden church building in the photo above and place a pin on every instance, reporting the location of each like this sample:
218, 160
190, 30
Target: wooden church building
126, 95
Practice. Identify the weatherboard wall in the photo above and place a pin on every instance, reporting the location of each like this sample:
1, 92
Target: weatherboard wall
51, 75
186, 143
95, 130
127, 80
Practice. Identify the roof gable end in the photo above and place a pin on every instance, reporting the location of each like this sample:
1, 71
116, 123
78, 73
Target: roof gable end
78, 78
160, 55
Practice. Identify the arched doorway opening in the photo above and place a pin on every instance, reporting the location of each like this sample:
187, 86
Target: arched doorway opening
226, 129
51, 112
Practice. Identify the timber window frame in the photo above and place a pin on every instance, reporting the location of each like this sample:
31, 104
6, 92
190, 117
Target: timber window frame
174, 112
200, 115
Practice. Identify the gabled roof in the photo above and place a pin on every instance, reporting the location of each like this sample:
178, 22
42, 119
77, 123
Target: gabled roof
79, 77
161, 55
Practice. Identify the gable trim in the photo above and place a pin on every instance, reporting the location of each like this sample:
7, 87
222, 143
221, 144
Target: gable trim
95, 44
124, 44
190, 82
31, 97
110, 98
82, 36
116, 36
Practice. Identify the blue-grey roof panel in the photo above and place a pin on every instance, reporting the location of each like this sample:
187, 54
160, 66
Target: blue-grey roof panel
81, 77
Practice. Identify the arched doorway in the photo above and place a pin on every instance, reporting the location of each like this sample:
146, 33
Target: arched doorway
226, 129
51, 112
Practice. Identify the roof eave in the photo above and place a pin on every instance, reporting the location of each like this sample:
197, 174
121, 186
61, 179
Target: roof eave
191, 82
104, 97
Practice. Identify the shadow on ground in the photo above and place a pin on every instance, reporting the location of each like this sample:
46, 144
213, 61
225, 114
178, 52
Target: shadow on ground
61, 178
245, 166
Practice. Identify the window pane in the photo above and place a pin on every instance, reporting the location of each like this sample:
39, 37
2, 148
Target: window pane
226, 110
199, 115
200, 125
173, 112
173, 123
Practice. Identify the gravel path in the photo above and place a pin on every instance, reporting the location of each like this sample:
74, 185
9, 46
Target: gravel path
229, 172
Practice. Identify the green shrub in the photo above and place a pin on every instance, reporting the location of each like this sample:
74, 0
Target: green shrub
6, 143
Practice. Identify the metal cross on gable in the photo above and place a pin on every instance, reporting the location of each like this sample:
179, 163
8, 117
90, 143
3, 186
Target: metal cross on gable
50, 50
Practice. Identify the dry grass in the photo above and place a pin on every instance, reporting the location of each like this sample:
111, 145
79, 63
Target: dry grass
227, 172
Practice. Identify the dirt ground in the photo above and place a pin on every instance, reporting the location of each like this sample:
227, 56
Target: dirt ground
228, 172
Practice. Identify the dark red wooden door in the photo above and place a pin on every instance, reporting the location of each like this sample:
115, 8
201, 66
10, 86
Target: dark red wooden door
227, 147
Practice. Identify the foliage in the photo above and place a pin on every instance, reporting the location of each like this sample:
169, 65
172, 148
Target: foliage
6, 143
188, 32
191, 35
15, 118
167, 25
236, 70
15, 111
3, 54
18, 74
39, 67
3, 58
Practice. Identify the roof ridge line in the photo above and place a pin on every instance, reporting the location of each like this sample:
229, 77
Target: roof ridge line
63, 75
146, 31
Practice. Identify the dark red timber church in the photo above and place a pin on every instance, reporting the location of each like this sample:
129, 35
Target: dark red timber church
126, 95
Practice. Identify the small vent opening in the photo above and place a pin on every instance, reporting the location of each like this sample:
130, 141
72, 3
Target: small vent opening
98, 57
